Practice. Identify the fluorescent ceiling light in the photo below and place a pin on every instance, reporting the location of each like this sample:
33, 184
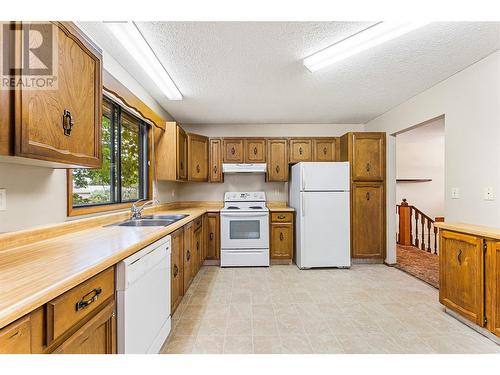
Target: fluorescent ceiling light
132, 40
366, 39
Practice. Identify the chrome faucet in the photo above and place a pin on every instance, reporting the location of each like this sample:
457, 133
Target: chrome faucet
136, 211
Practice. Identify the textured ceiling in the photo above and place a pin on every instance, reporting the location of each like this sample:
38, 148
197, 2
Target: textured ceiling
252, 72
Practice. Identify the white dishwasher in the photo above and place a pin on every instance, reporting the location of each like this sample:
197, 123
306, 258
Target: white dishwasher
143, 299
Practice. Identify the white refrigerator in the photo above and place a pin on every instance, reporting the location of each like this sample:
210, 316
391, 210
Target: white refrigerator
319, 192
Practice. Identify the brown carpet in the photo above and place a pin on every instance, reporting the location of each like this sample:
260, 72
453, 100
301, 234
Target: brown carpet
418, 263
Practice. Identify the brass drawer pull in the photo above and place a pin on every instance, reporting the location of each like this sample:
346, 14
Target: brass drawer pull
281, 236
85, 301
211, 236
188, 255
367, 195
459, 256
67, 122
281, 217
197, 246
14, 335
176, 270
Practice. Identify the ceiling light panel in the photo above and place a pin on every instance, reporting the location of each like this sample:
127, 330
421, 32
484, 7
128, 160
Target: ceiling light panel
357, 43
133, 41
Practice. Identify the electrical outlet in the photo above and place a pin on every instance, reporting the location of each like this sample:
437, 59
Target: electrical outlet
488, 194
455, 193
3, 199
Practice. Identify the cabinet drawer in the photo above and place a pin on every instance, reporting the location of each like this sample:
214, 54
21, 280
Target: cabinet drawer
281, 217
68, 309
197, 223
16, 337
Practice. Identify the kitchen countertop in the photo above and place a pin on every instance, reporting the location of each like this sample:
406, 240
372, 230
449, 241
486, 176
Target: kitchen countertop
477, 230
34, 273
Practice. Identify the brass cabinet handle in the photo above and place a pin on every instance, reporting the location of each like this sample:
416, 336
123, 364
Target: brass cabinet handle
215, 169
255, 150
197, 168
176, 270
181, 165
368, 167
277, 169
232, 150
300, 150
88, 298
281, 236
197, 245
281, 217
367, 195
14, 335
67, 122
324, 151
459, 256
188, 255
211, 236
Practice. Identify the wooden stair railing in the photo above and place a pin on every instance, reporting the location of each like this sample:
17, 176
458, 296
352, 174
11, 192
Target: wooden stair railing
411, 220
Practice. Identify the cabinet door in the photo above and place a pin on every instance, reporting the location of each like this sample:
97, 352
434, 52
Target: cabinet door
41, 116
97, 336
197, 250
281, 240
176, 272
16, 337
277, 160
461, 274
493, 287
368, 156
215, 163
325, 149
182, 154
233, 150
368, 220
300, 150
213, 230
188, 256
198, 157
255, 151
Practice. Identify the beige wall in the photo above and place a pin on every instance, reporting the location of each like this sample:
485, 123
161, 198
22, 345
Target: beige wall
275, 191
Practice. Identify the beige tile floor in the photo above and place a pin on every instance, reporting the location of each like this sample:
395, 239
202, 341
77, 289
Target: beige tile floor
281, 309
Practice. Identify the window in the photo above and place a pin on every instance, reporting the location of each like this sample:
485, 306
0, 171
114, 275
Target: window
123, 177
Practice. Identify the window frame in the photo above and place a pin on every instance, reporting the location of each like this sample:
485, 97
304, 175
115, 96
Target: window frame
145, 132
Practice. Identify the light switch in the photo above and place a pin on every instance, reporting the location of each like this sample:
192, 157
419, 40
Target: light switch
3, 199
488, 194
455, 193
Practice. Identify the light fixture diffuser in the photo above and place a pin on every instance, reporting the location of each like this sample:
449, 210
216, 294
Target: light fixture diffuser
366, 39
133, 41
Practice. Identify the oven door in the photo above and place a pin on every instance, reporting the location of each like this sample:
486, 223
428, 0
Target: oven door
244, 230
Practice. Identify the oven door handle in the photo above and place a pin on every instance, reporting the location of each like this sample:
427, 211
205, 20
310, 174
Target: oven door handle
247, 214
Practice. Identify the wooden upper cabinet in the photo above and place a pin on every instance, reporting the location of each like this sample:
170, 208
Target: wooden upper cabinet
62, 125
461, 275
215, 160
197, 157
233, 150
277, 160
182, 154
368, 156
325, 149
171, 152
255, 150
368, 220
300, 150
493, 287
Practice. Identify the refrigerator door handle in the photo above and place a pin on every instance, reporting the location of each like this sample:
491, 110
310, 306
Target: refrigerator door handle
303, 179
303, 207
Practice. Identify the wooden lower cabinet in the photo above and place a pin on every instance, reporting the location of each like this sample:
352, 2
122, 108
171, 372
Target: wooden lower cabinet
213, 236
461, 274
97, 336
176, 269
493, 287
281, 237
368, 220
197, 250
16, 337
188, 256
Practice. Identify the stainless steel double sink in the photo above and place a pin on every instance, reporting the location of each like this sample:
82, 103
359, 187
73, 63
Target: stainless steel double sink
151, 221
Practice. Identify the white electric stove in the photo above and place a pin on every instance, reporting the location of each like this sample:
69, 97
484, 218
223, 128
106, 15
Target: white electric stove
244, 227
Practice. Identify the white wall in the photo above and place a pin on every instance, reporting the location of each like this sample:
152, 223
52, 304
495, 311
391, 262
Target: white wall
275, 191
420, 154
37, 195
470, 101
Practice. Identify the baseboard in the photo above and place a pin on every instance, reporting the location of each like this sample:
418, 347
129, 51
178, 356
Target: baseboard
367, 261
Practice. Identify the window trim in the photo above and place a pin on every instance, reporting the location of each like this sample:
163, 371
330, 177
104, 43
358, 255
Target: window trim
105, 207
